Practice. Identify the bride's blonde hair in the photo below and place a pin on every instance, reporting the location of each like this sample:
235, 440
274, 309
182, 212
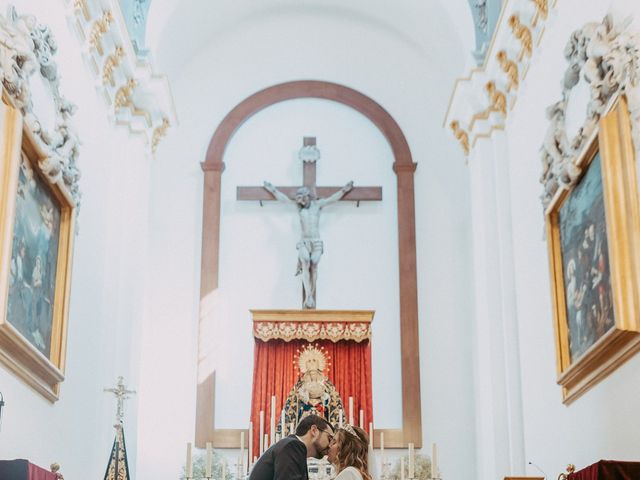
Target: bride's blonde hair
353, 450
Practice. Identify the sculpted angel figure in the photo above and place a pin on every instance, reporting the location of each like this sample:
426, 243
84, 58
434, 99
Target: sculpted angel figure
310, 246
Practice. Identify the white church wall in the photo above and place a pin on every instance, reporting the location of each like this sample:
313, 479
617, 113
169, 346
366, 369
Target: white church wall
107, 288
257, 255
602, 423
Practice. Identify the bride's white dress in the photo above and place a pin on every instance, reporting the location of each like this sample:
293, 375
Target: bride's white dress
349, 473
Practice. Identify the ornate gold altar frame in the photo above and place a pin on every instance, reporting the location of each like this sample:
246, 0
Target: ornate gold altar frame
16, 353
622, 211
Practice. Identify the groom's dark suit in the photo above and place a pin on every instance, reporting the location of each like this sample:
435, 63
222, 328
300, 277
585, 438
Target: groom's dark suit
286, 460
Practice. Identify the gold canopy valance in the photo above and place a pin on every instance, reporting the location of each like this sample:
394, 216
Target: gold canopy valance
312, 325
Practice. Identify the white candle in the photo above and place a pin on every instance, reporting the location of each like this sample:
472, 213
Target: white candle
434, 460
261, 432
293, 428
401, 468
382, 450
207, 467
224, 470
361, 424
266, 441
272, 423
340, 418
241, 451
350, 410
250, 446
370, 433
189, 466
411, 460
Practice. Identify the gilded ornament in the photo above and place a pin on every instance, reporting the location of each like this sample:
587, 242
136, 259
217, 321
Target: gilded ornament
110, 64
542, 11
571, 468
497, 99
124, 93
522, 33
510, 68
158, 133
80, 7
460, 135
100, 27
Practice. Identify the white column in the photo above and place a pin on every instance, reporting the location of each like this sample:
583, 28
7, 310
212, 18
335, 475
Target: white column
499, 427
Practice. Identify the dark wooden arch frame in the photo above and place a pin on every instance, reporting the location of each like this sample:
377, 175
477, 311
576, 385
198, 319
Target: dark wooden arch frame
403, 166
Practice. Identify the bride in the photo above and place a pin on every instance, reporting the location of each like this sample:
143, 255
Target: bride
348, 453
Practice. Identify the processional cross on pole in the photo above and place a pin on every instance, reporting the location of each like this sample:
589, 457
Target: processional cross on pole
121, 394
118, 466
310, 199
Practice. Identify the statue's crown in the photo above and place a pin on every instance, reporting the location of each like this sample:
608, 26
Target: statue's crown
308, 354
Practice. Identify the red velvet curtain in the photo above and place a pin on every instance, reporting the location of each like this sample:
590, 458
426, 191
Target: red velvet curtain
608, 470
274, 374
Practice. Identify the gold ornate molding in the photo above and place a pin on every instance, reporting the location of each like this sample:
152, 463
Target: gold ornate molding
510, 68
461, 135
80, 7
312, 325
523, 34
159, 133
110, 64
500, 76
124, 94
109, 53
100, 27
542, 11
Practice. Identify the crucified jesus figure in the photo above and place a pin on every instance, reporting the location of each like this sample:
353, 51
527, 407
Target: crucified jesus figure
310, 245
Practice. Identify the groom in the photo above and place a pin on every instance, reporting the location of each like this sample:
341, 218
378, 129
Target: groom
287, 459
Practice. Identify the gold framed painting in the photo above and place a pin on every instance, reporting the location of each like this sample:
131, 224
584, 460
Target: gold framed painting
36, 241
593, 236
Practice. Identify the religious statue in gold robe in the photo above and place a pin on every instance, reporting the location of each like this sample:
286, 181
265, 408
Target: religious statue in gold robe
313, 393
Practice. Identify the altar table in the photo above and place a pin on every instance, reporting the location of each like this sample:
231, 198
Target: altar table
608, 470
23, 470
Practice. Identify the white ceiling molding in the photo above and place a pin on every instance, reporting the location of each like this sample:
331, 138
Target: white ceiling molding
137, 96
481, 101
605, 56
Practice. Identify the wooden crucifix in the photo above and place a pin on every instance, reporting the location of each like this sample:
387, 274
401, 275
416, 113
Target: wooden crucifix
310, 199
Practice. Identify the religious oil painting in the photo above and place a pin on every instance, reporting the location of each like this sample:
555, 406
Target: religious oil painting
593, 236
34, 256
585, 262
36, 240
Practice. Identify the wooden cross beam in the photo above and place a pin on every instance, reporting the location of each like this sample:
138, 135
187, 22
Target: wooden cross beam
309, 154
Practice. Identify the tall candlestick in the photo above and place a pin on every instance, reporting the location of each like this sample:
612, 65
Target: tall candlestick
401, 468
189, 466
411, 460
341, 414
434, 461
272, 423
382, 451
207, 466
242, 451
250, 446
261, 432
350, 410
